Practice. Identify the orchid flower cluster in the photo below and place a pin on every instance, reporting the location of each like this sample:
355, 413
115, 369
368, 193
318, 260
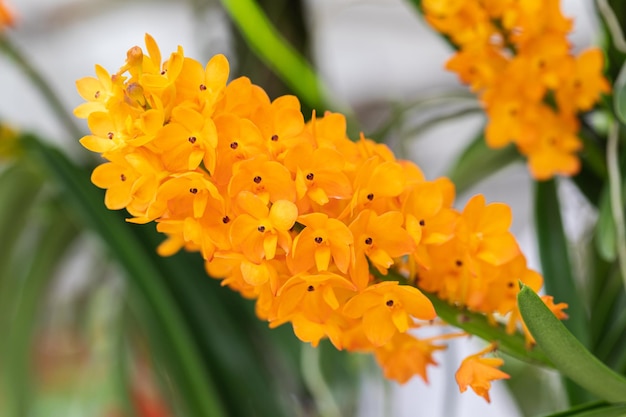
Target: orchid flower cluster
296, 215
515, 55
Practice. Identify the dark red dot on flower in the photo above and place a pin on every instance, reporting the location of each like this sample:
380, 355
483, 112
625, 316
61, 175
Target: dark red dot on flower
310, 176
123, 177
274, 138
368, 241
318, 239
257, 179
202, 87
422, 222
459, 262
110, 135
192, 139
234, 145
389, 303
225, 219
510, 285
310, 288
261, 229
97, 94
193, 190
370, 196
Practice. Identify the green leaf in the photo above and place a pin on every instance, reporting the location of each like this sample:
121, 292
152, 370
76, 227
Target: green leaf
275, 51
34, 277
568, 355
555, 260
173, 333
619, 95
605, 236
478, 161
594, 409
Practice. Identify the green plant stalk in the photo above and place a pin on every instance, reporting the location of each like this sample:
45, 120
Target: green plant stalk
478, 325
569, 356
49, 250
275, 51
41, 85
617, 205
197, 386
312, 373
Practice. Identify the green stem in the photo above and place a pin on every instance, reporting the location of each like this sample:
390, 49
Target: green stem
615, 184
478, 325
42, 85
312, 374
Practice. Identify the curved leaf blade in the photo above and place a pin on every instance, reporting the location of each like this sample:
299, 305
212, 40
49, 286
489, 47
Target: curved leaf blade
566, 352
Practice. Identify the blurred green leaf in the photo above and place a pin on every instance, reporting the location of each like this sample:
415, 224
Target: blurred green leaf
595, 409
566, 352
33, 277
555, 260
173, 334
276, 52
619, 95
478, 161
605, 236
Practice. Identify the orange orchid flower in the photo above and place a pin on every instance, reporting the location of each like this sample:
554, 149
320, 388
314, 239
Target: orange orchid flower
388, 308
260, 230
478, 372
321, 240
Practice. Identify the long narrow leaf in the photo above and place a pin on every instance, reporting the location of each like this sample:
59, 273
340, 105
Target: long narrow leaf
555, 260
275, 51
478, 161
197, 386
566, 352
55, 238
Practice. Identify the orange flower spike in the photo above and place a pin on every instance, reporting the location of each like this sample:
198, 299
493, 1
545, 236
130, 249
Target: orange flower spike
319, 173
487, 231
477, 372
269, 180
405, 356
260, 230
380, 238
281, 125
321, 239
187, 140
388, 308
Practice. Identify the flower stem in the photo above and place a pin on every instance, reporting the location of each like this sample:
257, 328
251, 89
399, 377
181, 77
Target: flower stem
615, 188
